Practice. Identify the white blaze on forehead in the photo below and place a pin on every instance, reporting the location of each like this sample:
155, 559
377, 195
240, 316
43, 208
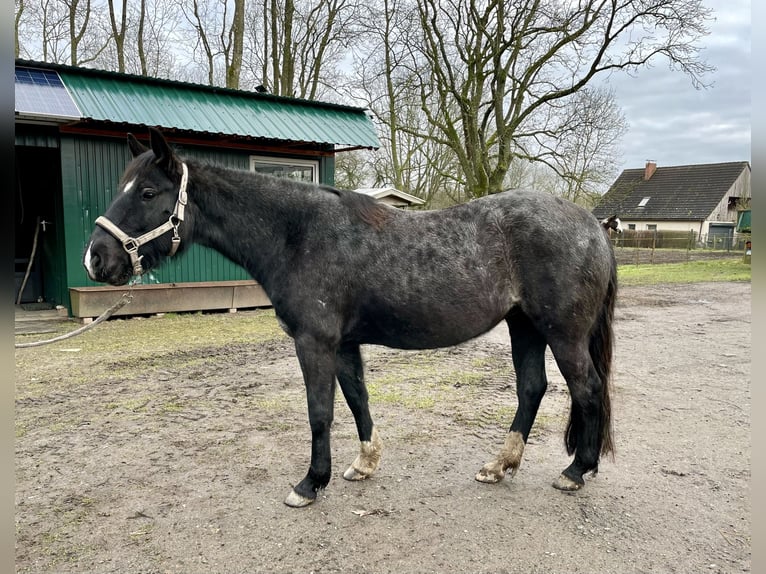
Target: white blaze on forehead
129, 185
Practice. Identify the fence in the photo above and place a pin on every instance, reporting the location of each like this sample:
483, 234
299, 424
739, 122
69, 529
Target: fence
634, 246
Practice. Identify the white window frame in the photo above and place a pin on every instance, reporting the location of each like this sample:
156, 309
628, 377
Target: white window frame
287, 161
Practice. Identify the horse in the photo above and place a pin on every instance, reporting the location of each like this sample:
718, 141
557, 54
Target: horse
612, 223
343, 270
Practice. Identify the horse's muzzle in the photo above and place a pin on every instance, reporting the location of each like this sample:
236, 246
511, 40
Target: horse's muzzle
96, 265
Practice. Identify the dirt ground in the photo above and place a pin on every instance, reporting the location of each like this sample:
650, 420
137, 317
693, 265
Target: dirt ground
181, 462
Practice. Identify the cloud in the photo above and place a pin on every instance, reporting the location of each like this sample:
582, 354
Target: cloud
673, 123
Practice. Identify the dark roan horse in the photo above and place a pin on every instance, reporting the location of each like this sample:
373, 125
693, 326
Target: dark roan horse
342, 270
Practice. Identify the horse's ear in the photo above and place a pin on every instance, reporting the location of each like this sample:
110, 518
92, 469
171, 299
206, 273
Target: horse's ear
166, 159
136, 147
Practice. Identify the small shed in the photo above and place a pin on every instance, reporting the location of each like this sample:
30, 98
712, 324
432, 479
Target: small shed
71, 125
391, 196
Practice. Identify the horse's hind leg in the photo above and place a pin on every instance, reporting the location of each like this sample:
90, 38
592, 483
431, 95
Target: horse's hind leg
583, 436
528, 349
350, 373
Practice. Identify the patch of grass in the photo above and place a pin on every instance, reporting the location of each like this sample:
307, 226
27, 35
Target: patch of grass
688, 272
396, 396
269, 405
171, 407
141, 533
136, 405
124, 337
125, 348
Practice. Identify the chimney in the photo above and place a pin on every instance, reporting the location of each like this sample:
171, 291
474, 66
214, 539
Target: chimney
651, 167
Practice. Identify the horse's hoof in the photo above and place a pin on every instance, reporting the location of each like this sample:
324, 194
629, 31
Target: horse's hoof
353, 474
296, 500
566, 484
490, 474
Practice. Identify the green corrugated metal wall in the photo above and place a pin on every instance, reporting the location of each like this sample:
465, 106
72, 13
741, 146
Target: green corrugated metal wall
91, 169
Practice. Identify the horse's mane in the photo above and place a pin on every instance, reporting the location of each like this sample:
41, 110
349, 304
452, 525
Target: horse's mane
368, 209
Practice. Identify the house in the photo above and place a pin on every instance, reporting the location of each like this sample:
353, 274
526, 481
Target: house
391, 196
71, 125
705, 199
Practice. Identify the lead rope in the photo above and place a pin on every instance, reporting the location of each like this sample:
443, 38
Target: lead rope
127, 297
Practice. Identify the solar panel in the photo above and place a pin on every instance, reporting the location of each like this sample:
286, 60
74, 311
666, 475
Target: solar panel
41, 92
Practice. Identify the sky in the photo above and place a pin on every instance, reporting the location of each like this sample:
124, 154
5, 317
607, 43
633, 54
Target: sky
671, 122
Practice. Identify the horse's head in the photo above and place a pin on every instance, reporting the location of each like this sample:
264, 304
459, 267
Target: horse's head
143, 224
613, 223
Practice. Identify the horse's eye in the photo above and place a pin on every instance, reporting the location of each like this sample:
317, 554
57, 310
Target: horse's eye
148, 193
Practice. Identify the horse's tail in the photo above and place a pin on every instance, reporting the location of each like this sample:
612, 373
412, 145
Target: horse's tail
601, 347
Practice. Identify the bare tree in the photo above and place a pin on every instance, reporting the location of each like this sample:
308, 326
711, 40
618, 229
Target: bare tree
295, 46
118, 32
61, 31
352, 169
494, 75
157, 41
586, 152
233, 45
52, 22
17, 26
407, 160
140, 39
85, 43
219, 32
203, 20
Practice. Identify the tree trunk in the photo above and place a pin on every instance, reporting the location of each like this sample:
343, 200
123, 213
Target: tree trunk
236, 45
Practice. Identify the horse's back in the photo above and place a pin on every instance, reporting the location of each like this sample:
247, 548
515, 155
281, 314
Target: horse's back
437, 278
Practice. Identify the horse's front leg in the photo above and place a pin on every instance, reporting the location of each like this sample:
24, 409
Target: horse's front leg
317, 360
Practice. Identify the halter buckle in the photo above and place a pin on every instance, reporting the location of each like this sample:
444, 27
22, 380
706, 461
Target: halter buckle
130, 245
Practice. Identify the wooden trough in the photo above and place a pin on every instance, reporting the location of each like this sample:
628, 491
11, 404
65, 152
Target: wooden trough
89, 302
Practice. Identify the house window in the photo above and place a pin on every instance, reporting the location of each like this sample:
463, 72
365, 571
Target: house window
651, 227
298, 169
643, 202
632, 226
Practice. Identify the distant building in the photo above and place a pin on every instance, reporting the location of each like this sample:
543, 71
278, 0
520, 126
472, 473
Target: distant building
391, 196
704, 198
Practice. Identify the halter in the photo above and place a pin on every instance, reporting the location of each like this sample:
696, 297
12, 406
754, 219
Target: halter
131, 245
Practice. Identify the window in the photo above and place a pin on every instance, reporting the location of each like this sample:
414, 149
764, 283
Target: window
632, 226
651, 227
299, 169
643, 202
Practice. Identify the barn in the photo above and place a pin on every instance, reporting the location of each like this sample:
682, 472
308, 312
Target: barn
71, 125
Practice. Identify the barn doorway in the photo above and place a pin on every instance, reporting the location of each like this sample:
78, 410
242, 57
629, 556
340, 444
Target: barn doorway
37, 193
720, 236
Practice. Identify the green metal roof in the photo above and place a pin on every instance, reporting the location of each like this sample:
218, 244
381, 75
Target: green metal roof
138, 100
